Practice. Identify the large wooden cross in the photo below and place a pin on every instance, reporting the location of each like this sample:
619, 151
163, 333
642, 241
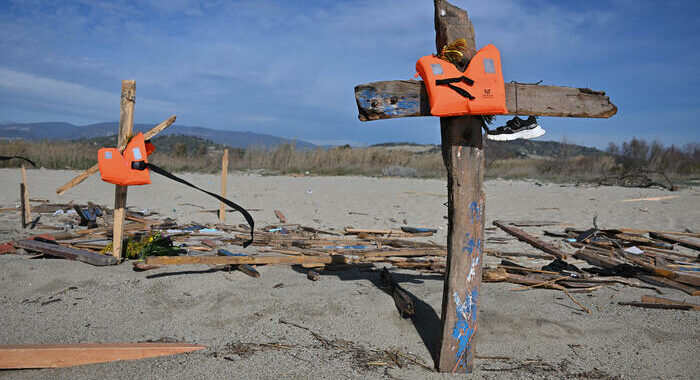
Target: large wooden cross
462, 151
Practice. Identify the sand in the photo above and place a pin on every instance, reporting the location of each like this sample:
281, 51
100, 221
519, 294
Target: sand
542, 332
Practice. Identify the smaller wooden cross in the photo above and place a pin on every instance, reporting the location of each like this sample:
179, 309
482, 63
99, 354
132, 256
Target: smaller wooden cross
462, 151
126, 129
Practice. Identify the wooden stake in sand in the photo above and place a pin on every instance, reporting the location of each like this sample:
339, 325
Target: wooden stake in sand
224, 172
17, 356
126, 128
462, 151
27, 213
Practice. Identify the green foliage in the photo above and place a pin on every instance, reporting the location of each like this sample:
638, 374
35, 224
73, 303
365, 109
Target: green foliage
153, 244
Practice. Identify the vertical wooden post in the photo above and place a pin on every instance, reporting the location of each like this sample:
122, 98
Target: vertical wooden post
462, 150
26, 210
22, 206
224, 172
126, 128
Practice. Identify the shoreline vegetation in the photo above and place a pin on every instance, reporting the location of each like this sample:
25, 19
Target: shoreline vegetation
632, 163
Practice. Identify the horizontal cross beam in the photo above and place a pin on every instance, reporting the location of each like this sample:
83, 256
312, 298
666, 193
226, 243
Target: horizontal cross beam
406, 98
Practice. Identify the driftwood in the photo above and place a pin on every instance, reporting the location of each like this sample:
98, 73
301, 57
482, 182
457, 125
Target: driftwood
88, 257
533, 241
406, 98
280, 216
252, 260
637, 177
17, 356
403, 301
692, 244
666, 301
657, 305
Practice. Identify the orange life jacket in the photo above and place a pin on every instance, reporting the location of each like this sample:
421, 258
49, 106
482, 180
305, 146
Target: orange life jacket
117, 168
479, 90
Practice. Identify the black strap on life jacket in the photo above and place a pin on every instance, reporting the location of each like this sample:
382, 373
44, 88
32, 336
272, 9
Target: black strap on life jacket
448, 82
7, 158
141, 165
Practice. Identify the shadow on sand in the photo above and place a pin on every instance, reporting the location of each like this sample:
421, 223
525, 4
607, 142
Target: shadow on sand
425, 319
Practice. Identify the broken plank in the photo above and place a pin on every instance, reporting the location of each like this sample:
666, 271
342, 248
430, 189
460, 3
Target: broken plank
88, 257
657, 305
405, 98
280, 216
533, 241
245, 268
403, 301
686, 242
668, 283
252, 260
17, 356
659, 300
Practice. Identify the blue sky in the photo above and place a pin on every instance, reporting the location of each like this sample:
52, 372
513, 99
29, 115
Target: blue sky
289, 68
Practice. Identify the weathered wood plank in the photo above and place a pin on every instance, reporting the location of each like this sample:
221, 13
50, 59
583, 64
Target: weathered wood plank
236, 260
463, 155
403, 301
690, 242
88, 257
533, 241
406, 98
17, 356
659, 300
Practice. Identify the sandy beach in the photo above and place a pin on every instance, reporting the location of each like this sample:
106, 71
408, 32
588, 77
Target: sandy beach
541, 332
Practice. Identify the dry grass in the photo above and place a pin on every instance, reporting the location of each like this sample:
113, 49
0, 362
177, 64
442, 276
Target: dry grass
285, 159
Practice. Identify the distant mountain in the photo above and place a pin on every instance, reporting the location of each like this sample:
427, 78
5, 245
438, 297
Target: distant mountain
508, 149
66, 131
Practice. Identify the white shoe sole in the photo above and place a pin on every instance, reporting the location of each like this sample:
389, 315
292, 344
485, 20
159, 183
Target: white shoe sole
524, 134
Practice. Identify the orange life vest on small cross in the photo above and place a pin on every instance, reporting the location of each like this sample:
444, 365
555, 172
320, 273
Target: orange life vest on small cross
479, 90
116, 167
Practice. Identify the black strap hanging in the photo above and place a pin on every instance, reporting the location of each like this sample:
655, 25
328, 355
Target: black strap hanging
7, 158
141, 165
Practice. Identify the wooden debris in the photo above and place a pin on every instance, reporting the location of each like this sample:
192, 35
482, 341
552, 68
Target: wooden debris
26, 207
313, 275
535, 242
18, 356
403, 301
23, 206
577, 303
249, 270
252, 260
666, 301
692, 243
657, 305
88, 257
245, 268
650, 199
280, 216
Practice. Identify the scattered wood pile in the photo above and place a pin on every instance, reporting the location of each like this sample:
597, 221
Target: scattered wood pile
640, 258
